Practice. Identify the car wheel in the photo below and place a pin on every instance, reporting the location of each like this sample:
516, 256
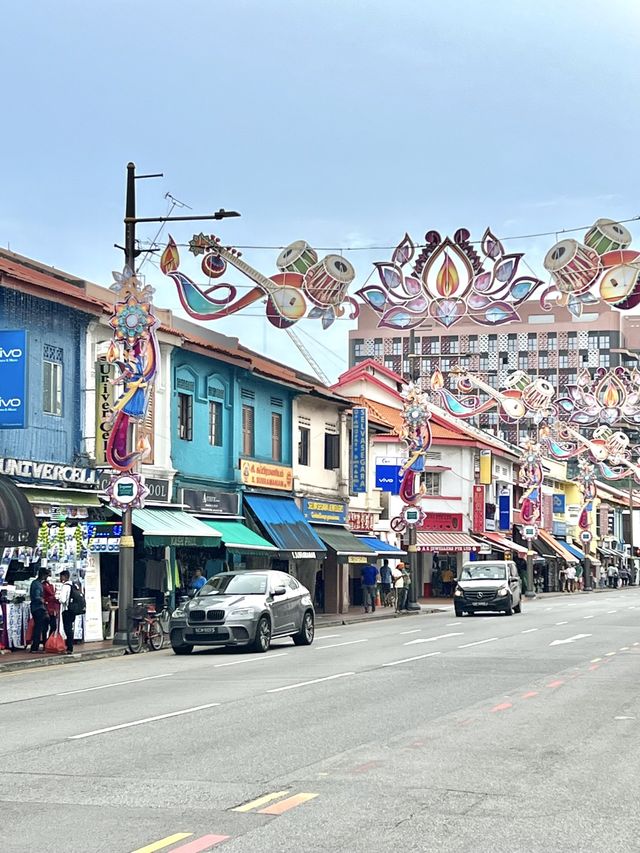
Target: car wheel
184, 649
509, 609
262, 639
306, 634
518, 607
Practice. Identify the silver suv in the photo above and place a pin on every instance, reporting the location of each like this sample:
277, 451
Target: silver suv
488, 585
244, 608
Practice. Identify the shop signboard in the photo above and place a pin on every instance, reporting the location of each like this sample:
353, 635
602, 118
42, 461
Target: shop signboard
547, 512
477, 514
105, 395
362, 521
266, 476
438, 521
159, 487
211, 501
13, 379
359, 450
324, 511
35, 472
504, 511
388, 478
558, 504
560, 529
486, 467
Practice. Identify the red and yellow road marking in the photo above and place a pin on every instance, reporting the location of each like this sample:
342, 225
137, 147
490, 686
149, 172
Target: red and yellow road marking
261, 801
289, 803
198, 845
164, 842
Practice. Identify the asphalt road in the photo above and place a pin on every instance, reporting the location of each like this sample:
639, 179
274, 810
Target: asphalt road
427, 733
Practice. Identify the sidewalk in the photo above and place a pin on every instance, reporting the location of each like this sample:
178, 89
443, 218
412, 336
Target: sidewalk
83, 651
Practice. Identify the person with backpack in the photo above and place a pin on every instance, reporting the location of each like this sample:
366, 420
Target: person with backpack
72, 604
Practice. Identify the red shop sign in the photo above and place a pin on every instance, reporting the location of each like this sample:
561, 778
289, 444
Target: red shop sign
477, 519
449, 521
361, 520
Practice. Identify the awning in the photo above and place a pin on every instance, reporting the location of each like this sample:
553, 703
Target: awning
503, 544
607, 552
18, 524
382, 549
286, 526
445, 542
240, 538
343, 542
573, 550
162, 527
557, 547
62, 497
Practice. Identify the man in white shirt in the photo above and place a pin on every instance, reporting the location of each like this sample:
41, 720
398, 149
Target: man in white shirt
68, 618
571, 577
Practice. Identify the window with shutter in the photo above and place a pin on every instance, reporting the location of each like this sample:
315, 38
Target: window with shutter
185, 417
248, 440
276, 436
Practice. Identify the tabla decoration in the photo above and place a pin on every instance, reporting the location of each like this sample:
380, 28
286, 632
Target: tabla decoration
416, 433
134, 352
304, 287
602, 268
449, 280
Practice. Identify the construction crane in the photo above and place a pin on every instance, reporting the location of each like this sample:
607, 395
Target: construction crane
322, 376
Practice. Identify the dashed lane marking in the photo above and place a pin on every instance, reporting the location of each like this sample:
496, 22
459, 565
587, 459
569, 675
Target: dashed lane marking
114, 684
612, 611
553, 684
251, 660
408, 660
588, 617
477, 643
529, 631
413, 631
289, 803
306, 683
609, 654
328, 637
261, 801
562, 623
530, 694
336, 645
145, 720
596, 660
164, 842
624, 649
503, 706
433, 639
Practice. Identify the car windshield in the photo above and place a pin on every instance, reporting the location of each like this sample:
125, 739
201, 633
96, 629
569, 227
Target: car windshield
484, 572
241, 584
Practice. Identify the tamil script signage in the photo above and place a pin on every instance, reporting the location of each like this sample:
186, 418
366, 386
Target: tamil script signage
266, 476
359, 450
13, 379
361, 520
211, 501
104, 403
477, 514
37, 472
448, 521
322, 511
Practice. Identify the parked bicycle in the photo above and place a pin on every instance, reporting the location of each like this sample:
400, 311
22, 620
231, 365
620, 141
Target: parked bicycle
144, 629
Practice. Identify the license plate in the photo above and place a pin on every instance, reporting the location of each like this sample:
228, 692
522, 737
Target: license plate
206, 630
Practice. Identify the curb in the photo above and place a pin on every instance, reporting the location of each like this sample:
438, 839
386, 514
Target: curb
58, 660
334, 623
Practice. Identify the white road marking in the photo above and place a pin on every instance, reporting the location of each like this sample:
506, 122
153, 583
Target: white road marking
570, 639
146, 720
609, 654
624, 718
328, 637
250, 660
346, 643
636, 644
547, 609
478, 643
432, 639
612, 611
529, 631
313, 681
407, 660
451, 624
595, 660
114, 684
624, 649
562, 623
413, 631
588, 617
575, 604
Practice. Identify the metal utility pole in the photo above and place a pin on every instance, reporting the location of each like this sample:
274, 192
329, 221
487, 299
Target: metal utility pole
126, 555
412, 547
631, 544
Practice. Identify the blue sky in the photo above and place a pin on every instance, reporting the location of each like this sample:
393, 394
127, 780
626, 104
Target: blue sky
340, 122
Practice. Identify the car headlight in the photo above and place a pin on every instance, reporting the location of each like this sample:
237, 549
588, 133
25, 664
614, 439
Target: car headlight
503, 591
458, 592
178, 613
243, 613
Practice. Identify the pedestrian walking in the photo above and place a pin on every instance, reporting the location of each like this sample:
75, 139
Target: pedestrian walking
66, 612
447, 582
399, 575
38, 611
603, 577
385, 581
571, 577
52, 605
369, 576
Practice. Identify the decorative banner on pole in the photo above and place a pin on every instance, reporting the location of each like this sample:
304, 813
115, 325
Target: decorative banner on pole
477, 514
359, 447
504, 512
13, 379
486, 467
104, 373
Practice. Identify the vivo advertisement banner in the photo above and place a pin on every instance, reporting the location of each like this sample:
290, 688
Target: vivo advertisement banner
13, 379
504, 512
388, 478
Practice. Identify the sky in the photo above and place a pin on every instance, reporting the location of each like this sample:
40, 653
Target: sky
341, 122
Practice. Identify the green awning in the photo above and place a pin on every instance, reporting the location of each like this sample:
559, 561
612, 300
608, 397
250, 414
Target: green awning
61, 497
162, 527
343, 542
236, 536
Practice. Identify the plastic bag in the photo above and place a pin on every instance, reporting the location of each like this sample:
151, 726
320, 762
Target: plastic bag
28, 639
55, 644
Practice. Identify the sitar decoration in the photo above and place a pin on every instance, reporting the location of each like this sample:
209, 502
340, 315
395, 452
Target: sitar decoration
134, 351
305, 285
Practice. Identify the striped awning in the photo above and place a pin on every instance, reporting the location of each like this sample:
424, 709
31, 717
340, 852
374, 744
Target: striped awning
558, 547
446, 542
503, 544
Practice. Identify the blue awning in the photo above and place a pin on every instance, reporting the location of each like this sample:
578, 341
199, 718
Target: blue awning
285, 526
382, 549
573, 550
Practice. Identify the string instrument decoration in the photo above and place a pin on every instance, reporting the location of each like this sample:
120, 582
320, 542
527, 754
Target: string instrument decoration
304, 287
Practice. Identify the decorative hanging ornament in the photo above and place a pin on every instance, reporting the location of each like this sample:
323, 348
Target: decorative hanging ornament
127, 491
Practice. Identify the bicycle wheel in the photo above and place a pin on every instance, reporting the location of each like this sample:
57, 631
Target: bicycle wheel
155, 635
134, 637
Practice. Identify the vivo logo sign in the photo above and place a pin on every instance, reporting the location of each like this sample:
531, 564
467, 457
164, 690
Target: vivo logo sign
14, 403
13, 373
10, 353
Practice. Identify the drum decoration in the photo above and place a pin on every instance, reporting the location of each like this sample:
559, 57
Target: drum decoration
602, 268
450, 279
304, 287
135, 353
